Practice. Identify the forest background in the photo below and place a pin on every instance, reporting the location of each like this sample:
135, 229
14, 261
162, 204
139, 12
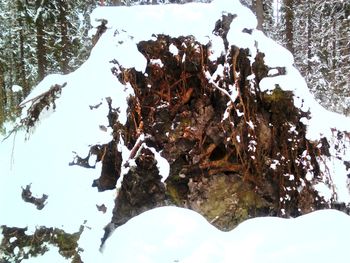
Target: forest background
40, 37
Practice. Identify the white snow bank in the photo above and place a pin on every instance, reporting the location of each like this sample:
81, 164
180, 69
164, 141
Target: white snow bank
172, 234
197, 19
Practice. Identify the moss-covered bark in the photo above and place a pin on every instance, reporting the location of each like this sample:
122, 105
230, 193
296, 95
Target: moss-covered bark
18, 245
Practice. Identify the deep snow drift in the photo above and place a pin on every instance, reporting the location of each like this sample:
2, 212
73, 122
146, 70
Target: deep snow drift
172, 234
41, 158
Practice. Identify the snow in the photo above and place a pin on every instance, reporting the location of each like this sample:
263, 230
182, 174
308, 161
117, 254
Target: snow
51, 256
157, 62
168, 234
173, 49
275, 54
162, 164
172, 234
219, 73
16, 88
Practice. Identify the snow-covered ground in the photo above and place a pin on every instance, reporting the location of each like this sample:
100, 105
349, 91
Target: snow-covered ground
178, 235
165, 234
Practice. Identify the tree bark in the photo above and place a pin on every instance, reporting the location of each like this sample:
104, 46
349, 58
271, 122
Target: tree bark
40, 43
3, 98
22, 68
289, 18
64, 63
259, 9
116, 2
309, 40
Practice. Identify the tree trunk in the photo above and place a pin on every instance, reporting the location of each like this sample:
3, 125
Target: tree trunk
309, 40
259, 9
116, 2
64, 36
40, 43
22, 68
289, 18
3, 98
334, 44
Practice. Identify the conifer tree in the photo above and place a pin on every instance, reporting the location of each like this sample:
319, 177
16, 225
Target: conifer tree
38, 38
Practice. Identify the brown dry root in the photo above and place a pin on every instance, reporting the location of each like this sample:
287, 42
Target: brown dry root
100, 30
29, 198
45, 100
141, 190
108, 153
111, 160
83, 162
253, 162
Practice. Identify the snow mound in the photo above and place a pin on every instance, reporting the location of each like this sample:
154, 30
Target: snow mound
171, 234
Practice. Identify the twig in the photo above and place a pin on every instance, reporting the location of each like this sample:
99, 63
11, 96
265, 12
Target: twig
211, 81
42, 94
15, 129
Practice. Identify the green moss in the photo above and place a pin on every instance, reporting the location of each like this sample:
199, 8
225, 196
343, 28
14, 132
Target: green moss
67, 243
276, 95
178, 131
280, 104
174, 195
227, 201
17, 245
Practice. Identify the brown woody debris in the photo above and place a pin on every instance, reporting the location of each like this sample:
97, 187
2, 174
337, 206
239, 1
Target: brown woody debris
29, 198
